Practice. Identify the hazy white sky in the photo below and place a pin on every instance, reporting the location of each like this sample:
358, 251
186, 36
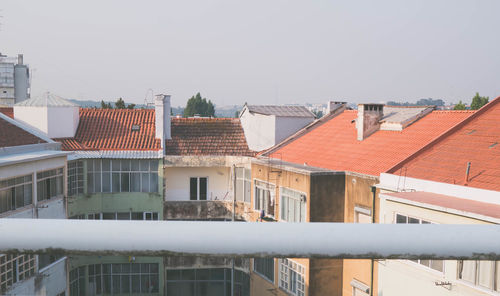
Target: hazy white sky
259, 51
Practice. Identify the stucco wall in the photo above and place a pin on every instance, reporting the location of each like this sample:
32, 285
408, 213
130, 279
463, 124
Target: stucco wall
260, 130
287, 126
177, 182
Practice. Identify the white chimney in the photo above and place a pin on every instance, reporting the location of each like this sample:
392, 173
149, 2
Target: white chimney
332, 106
162, 118
368, 122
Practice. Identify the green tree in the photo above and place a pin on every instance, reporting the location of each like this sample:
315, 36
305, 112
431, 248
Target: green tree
318, 113
478, 101
120, 104
199, 106
459, 106
105, 105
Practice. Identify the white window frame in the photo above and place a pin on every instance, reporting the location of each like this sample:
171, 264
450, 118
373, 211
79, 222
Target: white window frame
272, 194
245, 179
302, 202
284, 276
198, 188
475, 284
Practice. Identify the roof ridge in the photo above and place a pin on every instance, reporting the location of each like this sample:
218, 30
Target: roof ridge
446, 134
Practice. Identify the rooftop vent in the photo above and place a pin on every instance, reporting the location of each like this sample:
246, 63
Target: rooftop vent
136, 127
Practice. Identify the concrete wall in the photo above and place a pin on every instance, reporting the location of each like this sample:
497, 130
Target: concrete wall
21, 82
37, 117
260, 130
402, 277
287, 126
62, 121
49, 281
116, 202
177, 182
358, 193
206, 210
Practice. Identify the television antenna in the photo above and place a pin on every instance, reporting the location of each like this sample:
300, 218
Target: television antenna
152, 102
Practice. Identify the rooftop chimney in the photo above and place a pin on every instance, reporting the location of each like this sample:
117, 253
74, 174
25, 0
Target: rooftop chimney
332, 106
368, 121
162, 118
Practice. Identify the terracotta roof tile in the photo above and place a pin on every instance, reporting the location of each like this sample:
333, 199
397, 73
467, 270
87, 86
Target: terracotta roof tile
207, 136
475, 140
111, 129
333, 144
9, 111
12, 135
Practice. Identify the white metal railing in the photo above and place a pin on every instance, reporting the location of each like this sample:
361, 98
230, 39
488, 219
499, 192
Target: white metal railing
228, 239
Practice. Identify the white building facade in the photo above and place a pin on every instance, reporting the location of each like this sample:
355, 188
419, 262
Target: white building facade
14, 80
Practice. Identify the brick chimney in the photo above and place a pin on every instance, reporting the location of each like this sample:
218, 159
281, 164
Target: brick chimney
162, 118
368, 122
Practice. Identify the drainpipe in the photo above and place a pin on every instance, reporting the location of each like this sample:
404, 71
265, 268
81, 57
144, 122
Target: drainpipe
234, 218
374, 191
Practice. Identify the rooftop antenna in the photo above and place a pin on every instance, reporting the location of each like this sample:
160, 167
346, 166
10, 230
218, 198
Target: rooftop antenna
149, 91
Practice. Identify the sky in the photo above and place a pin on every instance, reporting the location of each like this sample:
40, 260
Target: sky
259, 51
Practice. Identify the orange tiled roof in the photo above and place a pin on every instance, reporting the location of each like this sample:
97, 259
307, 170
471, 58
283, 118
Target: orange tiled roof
12, 135
111, 129
475, 140
207, 136
9, 111
333, 144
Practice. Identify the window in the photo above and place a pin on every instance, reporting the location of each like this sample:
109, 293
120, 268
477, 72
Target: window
198, 188
291, 277
127, 278
264, 267
204, 281
485, 274
243, 184
362, 215
77, 281
293, 205
75, 177
433, 264
122, 175
264, 197
15, 193
119, 216
49, 184
15, 268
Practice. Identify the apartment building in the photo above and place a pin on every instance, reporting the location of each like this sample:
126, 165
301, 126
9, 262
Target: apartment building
14, 80
455, 179
32, 186
360, 144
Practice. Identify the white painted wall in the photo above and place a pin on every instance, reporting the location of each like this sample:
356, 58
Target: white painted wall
50, 281
62, 121
34, 116
177, 182
260, 130
287, 126
56, 122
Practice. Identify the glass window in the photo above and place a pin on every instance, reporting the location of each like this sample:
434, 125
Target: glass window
265, 267
264, 197
15, 193
193, 188
75, 177
291, 277
49, 184
203, 188
293, 204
